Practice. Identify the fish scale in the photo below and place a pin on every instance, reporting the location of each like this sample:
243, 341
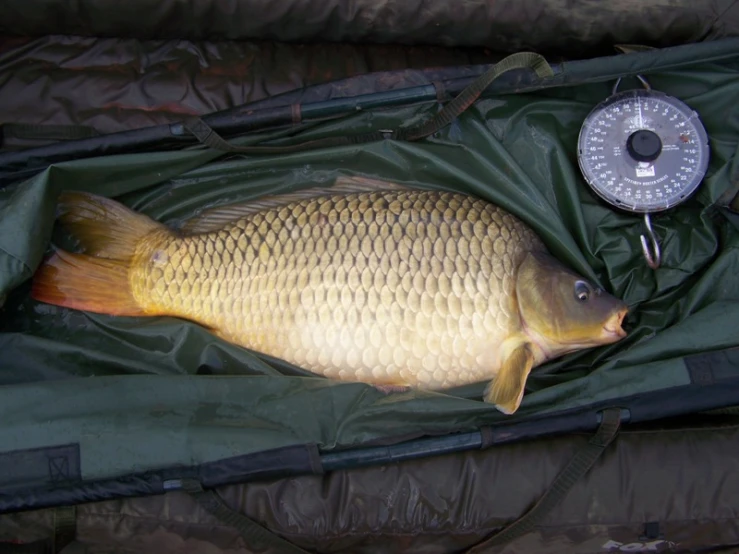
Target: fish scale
387, 286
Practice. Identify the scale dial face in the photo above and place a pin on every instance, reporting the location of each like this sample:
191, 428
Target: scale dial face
643, 151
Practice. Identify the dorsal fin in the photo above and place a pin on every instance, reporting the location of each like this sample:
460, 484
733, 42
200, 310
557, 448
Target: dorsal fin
216, 218
346, 184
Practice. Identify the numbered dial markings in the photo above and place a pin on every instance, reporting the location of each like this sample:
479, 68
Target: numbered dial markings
643, 150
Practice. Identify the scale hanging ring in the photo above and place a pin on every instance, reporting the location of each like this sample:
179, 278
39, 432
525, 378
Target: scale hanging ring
641, 78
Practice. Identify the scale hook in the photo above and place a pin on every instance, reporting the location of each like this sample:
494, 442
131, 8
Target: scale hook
640, 77
653, 261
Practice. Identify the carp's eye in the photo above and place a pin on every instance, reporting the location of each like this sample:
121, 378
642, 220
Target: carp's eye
582, 291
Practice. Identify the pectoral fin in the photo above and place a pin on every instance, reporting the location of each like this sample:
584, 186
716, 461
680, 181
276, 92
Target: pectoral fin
506, 390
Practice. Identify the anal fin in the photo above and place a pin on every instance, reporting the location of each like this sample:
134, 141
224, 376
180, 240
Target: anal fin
390, 389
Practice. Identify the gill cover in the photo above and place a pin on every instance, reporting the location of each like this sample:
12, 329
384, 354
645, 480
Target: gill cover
560, 305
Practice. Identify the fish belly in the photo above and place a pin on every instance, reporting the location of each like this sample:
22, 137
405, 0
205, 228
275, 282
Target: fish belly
414, 288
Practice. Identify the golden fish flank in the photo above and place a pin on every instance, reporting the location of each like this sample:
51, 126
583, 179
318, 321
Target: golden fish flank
364, 281
378, 287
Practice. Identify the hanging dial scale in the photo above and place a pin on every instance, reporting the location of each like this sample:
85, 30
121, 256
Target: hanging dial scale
643, 151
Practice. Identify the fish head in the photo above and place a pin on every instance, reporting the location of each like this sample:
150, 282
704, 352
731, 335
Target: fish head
562, 311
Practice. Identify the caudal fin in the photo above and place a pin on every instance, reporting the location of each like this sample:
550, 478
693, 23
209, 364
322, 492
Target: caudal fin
86, 283
104, 227
96, 281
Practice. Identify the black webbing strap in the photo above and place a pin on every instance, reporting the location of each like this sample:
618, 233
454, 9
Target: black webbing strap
578, 466
207, 136
65, 526
521, 60
31, 131
64, 533
256, 536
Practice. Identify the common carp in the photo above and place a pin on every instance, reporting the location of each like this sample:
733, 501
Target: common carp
364, 280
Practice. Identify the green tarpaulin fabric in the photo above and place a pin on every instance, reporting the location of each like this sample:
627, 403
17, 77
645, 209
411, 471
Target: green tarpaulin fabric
144, 393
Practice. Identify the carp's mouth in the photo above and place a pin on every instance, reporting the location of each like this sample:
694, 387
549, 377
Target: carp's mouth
612, 329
